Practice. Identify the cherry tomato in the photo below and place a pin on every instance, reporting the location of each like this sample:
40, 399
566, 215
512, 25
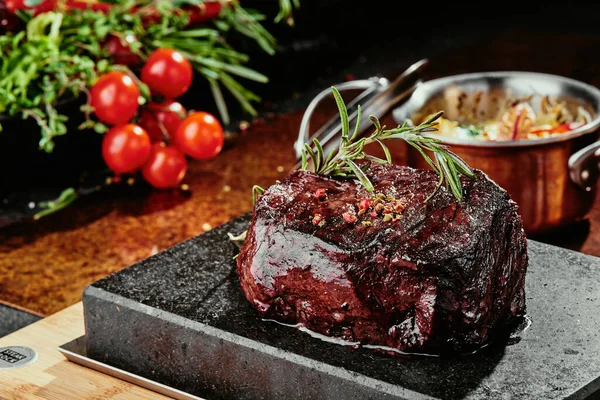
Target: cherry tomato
120, 50
168, 73
88, 5
169, 114
200, 136
166, 166
205, 11
125, 148
115, 98
15, 5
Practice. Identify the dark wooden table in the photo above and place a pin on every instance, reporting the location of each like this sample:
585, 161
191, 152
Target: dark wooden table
45, 264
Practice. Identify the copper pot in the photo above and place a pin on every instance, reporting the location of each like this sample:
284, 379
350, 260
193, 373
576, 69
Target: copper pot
553, 180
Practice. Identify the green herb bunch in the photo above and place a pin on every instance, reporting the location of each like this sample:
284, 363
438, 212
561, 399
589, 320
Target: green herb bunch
341, 162
35, 74
205, 47
60, 54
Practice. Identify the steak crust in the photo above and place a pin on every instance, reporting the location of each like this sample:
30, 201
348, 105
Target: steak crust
434, 276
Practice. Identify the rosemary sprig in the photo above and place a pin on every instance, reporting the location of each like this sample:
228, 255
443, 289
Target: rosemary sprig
256, 191
341, 162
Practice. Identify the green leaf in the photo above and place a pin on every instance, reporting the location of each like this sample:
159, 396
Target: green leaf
375, 122
209, 74
473, 131
320, 154
432, 118
102, 66
196, 33
355, 134
388, 155
449, 176
86, 108
425, 156
231, 68
304, 161
100, 128
67, 196
248, 95
343, 113
360, 175
84, 31
461, 165
312, 156
376, 159
222, 25
220, 102
256, 191
229, 83
245, 73
285, 11
365, 166
453, 172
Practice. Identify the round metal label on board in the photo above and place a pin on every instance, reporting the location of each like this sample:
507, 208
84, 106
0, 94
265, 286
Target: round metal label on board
16, 356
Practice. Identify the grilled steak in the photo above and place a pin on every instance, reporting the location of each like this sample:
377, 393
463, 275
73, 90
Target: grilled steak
387, 268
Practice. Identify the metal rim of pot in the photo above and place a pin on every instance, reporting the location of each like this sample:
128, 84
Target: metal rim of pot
584, 165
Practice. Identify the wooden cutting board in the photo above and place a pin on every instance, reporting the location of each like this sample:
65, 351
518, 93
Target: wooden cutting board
51, 376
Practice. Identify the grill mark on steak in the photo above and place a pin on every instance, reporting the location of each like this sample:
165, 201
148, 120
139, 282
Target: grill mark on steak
447, 276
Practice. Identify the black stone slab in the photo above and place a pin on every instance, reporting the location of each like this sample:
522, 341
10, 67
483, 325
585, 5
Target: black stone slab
13, 319
179, 318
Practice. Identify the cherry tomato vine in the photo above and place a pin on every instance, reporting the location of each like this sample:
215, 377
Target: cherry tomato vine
131, 60
176, 133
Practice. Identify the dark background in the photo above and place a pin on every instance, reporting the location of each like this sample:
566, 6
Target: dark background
331, 36
331, 41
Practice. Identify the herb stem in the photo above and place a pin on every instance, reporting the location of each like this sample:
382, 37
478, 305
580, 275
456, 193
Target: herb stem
343, 163
64, 199
256, 191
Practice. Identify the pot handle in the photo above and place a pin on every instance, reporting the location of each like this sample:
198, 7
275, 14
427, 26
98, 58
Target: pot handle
370, 86
584, 166
378, 97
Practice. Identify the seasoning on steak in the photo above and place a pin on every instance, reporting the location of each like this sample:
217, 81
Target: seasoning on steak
387, 268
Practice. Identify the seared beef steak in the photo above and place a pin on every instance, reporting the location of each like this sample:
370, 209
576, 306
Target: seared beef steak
387, 268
